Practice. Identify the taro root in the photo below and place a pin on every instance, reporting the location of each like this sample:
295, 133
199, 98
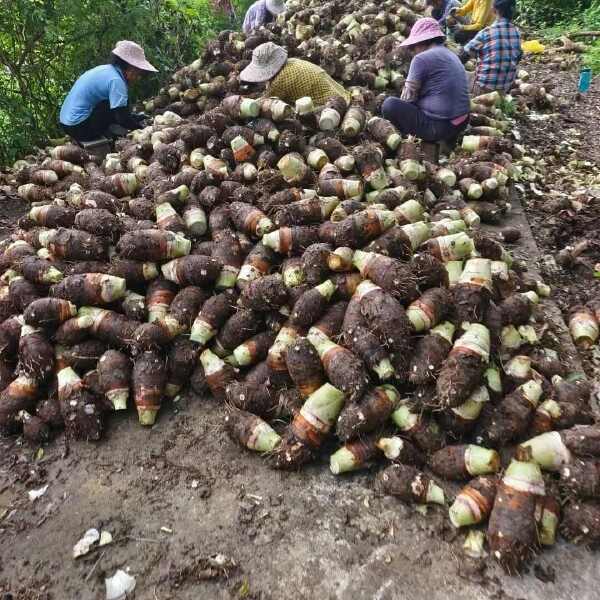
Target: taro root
304, 366
192, 270
512, 532
159, 295
368, 414
218, 373
80, 413
51, 215
399, 450
183, 310
473, 291
264, 294
148, 382
19, 395
430, 353
343, 368
385, 315
311, 305
215, 311
473, 504
114, 373
152, 245
49, 312
354, 455
110, 326
510, 418
423, 431
238, 328
410, 485
72, 244
90, 289
251, 431
258, 263
364, 343
135, 273
36, 355
461, 372
390, 274
317, 416
581, 522
464, 461
39, 271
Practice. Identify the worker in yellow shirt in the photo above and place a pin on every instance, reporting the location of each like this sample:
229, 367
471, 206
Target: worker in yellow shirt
481, 13
290, 78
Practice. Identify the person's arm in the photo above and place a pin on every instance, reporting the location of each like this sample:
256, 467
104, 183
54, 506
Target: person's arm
414, 81
473, 48
410, 92
118, 98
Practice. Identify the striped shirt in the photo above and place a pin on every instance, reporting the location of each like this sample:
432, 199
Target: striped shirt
498, 49
300, 78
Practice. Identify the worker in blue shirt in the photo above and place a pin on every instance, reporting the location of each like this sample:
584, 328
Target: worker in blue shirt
99, 98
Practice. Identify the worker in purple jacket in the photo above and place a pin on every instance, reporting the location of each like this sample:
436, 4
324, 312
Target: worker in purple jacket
261, 13
434, 105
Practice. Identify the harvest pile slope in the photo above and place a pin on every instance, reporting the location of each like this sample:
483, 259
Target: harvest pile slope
313, 271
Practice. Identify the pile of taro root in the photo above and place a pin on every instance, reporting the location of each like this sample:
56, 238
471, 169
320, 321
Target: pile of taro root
311, 271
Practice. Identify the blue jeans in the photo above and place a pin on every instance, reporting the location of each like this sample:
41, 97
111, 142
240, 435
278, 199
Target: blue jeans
411, 120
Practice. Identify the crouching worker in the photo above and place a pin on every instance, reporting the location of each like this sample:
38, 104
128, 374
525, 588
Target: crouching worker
99, 98
261, 13
435, 101
498, 50
290, 78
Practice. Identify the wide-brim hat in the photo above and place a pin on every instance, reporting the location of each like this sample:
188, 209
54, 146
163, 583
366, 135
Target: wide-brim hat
267, 61
275, 7
424, 30
133, 54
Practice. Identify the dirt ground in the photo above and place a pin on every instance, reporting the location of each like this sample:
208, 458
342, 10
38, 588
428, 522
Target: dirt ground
193, 517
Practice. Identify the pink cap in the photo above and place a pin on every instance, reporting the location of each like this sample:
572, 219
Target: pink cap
424, 30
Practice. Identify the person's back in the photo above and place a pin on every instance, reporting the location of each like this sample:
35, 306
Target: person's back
99, 84
498, 49
300, 78
444, 91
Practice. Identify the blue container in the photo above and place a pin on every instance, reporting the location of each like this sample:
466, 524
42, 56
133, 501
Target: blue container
585, 80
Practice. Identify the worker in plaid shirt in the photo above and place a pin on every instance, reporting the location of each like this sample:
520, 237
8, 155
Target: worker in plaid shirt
498, 48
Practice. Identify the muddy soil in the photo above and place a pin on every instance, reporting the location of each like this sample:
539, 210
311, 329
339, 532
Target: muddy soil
563, 207
180, 493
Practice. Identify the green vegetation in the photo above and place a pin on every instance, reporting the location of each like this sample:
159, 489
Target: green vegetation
46, 44
554, 18
547, 13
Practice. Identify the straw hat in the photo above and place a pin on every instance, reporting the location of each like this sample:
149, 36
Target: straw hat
267, 61
424, 30
275, 7
133, 54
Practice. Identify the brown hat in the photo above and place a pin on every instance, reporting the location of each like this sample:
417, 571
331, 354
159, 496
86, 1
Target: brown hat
267, 60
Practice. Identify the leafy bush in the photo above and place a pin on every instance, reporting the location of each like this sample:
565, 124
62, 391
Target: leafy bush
543, 13
46, 44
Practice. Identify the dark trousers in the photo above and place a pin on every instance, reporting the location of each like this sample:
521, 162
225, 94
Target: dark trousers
95, 126
411, 120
